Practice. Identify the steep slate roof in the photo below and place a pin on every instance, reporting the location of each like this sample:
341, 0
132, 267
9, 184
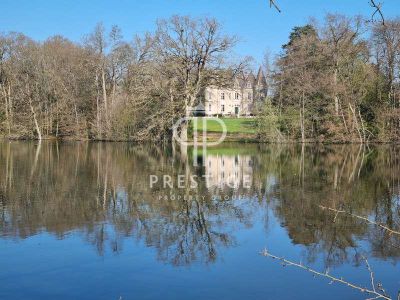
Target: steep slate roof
237, 82
261, 81
242, 80
251, 79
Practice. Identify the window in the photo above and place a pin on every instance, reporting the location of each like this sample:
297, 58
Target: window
222, 96
209, 107
229, 95
222, 108
236, 96
209, 95
249, 96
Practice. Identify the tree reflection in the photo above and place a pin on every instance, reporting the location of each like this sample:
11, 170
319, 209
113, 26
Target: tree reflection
356, 179
102, 191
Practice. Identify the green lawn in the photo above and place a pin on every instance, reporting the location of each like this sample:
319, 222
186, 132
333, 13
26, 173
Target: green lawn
233, 125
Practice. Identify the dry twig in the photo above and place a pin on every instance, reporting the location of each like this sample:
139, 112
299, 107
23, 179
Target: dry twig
273, 4
379, 286
377, 294
376, 6
336, 211
378, 10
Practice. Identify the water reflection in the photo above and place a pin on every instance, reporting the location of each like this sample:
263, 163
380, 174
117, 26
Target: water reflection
102, 191
230, 171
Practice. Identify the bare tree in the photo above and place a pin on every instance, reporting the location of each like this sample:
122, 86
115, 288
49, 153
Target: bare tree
191, 47
341, 36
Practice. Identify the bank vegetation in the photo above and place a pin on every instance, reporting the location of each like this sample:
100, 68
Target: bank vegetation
337, 81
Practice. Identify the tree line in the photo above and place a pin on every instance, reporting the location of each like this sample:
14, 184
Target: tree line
107, 88
336, 81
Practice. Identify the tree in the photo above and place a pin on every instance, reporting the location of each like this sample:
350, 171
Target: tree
324, 75
190, 48
298, 76
385, 43
341, 35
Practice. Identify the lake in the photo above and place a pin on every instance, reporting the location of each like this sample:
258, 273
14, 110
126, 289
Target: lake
125, 221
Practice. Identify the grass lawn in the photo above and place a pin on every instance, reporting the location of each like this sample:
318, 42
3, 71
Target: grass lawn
233, 125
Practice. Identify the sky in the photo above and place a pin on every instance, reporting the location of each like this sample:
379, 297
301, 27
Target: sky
259, 28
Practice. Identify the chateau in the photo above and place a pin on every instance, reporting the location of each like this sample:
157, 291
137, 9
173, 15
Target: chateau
239, 100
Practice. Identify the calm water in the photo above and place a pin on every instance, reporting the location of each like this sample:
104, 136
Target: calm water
80, 220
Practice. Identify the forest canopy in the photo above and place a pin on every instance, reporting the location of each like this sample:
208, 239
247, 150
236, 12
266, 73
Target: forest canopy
337, 81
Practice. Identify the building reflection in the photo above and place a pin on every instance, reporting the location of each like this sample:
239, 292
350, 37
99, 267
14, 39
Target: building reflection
228, 171
101, 191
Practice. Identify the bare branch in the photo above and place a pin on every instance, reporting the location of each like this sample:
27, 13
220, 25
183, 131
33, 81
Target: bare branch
391, 231
378, 10
372, 291
376, 6
273, 4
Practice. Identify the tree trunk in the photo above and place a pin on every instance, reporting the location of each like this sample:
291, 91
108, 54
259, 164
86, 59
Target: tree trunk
356, 122
98, 114
76, 117
184, 125
7, 103
10, 106
39, 133
335, 94
303, 136
362, 126
184, 131
6, 107
114, 91
103, 83
344, 120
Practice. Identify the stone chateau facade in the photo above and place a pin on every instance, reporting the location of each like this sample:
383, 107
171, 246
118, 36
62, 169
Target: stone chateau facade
239, 100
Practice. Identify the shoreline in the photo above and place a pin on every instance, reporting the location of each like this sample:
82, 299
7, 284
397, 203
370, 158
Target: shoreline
191, 142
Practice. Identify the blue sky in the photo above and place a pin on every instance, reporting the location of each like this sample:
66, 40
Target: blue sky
259, 27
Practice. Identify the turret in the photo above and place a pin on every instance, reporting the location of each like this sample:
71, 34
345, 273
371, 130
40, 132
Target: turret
261, 80
250, 80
